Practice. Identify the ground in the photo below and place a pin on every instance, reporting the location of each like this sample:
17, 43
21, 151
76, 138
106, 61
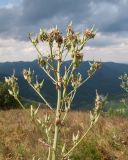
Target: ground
19, 137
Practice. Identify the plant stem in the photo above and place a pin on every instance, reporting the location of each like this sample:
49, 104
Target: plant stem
49, 153
41, 96
81, 47
65, 115
19, 102
65, 88
57, 111
39, 53
48, 74
53, 64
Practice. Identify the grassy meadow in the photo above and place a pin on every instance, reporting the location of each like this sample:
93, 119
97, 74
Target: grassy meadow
20, 138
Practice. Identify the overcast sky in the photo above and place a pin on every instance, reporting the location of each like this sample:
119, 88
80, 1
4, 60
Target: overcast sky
110, 17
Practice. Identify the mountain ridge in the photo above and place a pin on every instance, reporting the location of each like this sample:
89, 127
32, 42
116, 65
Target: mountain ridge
105, 80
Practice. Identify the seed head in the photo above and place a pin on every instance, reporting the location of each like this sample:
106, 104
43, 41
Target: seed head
124, 84
93, 68
70, 29
89, 34
76, 80
99, 102
43, 36
27, 75
13, 85
41, 61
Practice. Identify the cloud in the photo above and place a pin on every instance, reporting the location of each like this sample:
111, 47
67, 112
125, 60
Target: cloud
108, 16
18, 18
15, 50
108, 40
112, 54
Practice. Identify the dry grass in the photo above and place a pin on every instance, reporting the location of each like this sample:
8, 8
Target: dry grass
19, 137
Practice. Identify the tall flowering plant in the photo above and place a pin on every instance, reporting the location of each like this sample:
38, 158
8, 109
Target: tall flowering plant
60, 47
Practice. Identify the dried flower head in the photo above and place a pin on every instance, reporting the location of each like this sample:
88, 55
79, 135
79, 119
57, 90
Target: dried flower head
38, 85
13, 86
77, 58
76, 80
28, 75
94, 66
99, 104
70, 30
43, 36
89, 34
42, 61
124, 84
57, 36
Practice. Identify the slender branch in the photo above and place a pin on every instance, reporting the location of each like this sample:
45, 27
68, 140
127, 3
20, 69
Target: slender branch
49, 150
53, 64
16, 98
62, 51
65, 115
65, 57
63, 48
81, 47
40, 54
65, 88
48, 74
49, 153
84, 81
47, 63
70, 72
70, 66
84, 135
41, 97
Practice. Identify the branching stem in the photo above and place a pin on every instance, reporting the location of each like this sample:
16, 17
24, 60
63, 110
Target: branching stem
55, 140
84, 81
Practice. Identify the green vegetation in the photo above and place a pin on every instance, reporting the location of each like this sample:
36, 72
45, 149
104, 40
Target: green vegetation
105, 81
6, 100
89, 150
120, 108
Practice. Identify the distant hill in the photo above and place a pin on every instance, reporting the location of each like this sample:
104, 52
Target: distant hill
105, 81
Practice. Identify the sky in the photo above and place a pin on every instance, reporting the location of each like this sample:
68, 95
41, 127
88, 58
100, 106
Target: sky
19, 17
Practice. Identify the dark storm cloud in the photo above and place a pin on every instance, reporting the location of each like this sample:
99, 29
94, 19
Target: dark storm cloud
35, 11
107, 15
7, 20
